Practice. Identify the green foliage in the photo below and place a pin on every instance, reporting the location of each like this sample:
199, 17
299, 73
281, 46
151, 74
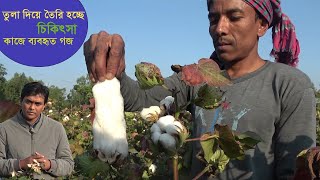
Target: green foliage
81, 92
223, 145
3, 72
92, 167
14, 86
57, 96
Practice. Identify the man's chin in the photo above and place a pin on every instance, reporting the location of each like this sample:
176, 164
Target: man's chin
30, 117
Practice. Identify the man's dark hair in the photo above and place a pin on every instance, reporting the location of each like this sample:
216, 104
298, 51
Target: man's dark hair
35, 88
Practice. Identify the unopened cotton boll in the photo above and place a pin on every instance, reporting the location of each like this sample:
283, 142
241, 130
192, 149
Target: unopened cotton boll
168, 142
109, 128
151, 113
164, 121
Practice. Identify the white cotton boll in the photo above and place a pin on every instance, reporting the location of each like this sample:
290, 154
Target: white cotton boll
151, 113
172, 129
152, 168
65, 118
155, 137
167, 102
155, 128
168, 141
164, 121
109, 128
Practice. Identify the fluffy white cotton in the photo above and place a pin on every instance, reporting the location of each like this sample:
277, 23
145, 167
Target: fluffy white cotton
168, 141
173, 129
152, 168
155, 137
151, 113
155, 128
109, 128
164, 121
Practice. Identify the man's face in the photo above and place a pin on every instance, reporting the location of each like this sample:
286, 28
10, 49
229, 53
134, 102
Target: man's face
32, 106
233, 28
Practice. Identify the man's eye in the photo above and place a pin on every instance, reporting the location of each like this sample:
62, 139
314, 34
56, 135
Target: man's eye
235, 18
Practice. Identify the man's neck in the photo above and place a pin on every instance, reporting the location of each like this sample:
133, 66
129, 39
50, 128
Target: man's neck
243, 67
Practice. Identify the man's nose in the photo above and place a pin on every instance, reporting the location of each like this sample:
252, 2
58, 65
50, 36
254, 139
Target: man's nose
222, 27
32, 106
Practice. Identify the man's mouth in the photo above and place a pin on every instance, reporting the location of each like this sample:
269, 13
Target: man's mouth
223, 46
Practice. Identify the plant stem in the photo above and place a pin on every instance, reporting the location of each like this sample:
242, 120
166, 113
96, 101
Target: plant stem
175, 167
201, 138
202, 173
193, 139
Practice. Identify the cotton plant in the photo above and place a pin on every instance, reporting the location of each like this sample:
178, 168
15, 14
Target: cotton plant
165, 126
170, 133
166, 130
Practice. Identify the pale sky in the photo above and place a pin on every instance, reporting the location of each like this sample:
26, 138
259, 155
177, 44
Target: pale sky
170, 32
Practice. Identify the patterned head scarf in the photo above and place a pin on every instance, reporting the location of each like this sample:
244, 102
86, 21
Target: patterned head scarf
285, 44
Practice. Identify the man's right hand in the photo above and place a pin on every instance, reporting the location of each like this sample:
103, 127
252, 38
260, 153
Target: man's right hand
104, 55
23, 163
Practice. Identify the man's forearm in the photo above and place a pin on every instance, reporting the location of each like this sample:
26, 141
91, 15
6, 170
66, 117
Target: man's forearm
8, 166
135, 98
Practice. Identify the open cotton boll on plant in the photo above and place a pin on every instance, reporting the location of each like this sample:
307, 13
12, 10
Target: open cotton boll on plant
109, 128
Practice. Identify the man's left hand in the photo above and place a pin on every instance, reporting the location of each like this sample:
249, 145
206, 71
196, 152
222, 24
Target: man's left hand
45, 163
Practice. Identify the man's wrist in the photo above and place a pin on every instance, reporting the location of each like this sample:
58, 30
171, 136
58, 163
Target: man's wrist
49, 161
17, 165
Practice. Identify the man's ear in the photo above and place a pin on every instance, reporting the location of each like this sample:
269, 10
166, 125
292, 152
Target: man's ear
263, 27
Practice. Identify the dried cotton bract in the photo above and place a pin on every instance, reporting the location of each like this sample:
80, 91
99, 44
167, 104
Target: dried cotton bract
109, 128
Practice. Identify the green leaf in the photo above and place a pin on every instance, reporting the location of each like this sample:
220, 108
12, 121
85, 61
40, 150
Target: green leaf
145, 175
92, 167
228, 142
248, 139
208, 97
208, 145
219, 159
148, 75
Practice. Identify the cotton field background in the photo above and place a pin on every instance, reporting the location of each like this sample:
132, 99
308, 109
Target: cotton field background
73, 110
